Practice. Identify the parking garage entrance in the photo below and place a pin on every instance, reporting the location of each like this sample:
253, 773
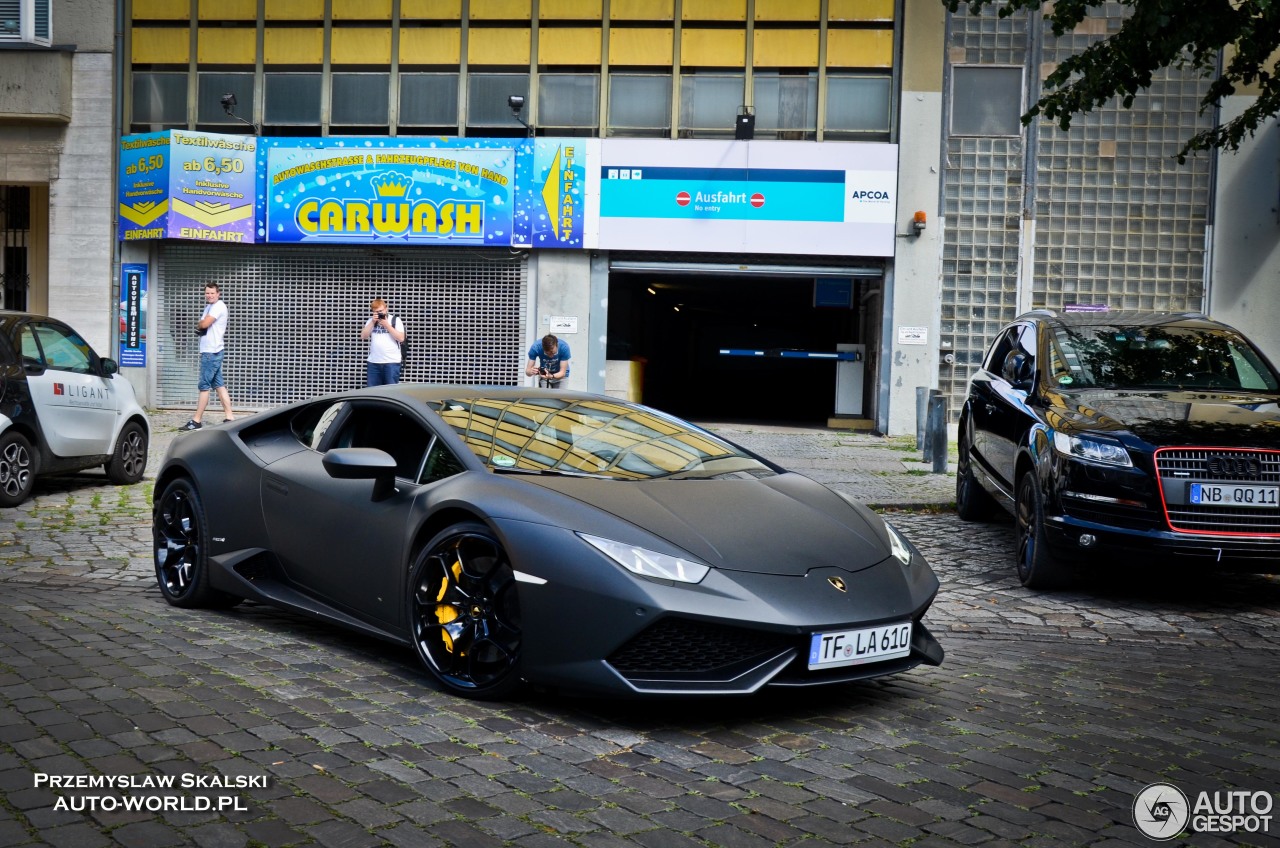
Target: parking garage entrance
763, 344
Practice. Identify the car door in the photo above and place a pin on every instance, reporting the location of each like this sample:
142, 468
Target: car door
330, 535
985, 403
76, 402
1012, 414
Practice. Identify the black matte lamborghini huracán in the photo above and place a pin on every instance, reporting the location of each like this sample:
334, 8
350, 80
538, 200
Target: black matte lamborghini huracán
570, 541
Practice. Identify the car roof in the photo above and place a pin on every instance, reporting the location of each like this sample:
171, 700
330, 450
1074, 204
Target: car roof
429, 392
1118, 318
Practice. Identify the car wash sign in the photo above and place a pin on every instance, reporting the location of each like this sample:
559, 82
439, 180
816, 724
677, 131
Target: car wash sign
197, 186
358, 191
757, 196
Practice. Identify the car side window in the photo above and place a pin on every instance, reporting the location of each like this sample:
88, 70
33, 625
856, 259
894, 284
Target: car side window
1027, 344
1000, 349
439, 463
63, 350
387, 429
312, 424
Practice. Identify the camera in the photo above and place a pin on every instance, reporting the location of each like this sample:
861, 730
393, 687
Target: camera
382, 316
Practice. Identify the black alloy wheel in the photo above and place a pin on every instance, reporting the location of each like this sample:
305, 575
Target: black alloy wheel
181, 544
464, 611
17, 469
973, 503
130, 457
1038, 568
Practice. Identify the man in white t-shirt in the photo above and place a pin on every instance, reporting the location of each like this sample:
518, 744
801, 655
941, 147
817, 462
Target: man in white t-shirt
384, 332
211, 328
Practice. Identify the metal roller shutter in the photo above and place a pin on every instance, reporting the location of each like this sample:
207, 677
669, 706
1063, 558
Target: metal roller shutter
295, 316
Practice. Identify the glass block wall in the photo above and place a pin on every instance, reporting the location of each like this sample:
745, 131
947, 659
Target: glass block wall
1116, 219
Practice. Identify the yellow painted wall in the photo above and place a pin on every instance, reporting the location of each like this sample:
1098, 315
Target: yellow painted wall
785, 48
642, 10
161, 10
569, 46
362, 10
577, 10
224, 10
714, 10
498, 46
227, 46
295, 10
860, 10
788, 10
448, 10
360, 46
860, 48
165, 46
430, 46
717, 48
501, 10
641, 46
293, 46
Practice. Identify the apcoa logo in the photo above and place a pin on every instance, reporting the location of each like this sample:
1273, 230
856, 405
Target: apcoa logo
870, 196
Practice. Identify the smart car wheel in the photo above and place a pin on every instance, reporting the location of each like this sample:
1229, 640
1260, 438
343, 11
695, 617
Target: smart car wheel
181, 537
17, 469
1037, 567
973, 503
464, 611
130, 457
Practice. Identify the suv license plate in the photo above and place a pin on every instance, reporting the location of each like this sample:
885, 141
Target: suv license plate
1203, 493
851, 647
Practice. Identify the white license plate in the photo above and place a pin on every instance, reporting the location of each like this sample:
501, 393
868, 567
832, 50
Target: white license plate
851, 647
1234, 495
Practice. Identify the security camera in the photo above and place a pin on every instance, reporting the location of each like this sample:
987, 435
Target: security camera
516, 102
228, 102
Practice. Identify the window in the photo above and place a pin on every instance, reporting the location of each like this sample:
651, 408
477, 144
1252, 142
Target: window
439, 463
429, 100
858, 104
387, 429
312, 424
487, 100
29, 21
709, 104
986, 100
293, 99
215, 86
786, 103
63, 349
359, 99
639, 104
568, 100
159, 101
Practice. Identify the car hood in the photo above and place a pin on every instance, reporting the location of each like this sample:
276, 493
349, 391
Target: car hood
786, 524
1220, 419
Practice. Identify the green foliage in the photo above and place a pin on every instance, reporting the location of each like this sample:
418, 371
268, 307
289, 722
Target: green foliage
1157, 34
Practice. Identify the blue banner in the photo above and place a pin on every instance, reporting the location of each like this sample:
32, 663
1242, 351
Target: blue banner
133, 316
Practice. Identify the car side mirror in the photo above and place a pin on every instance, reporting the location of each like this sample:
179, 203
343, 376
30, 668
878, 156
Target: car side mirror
109, 366
1018, 370
363, 464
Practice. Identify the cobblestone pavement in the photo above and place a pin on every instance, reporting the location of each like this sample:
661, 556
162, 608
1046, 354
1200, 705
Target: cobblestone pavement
1049, 714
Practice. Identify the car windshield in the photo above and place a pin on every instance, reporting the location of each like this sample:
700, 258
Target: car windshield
1157, 357
600, 438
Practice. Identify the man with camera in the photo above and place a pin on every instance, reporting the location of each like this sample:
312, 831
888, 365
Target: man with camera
548, 361
384, 333
211, 328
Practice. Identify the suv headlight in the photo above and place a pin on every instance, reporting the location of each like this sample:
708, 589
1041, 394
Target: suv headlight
648, 563
1092, 450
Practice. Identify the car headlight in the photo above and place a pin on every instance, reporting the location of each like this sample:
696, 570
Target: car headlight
1092, 450
648, 563
898, 545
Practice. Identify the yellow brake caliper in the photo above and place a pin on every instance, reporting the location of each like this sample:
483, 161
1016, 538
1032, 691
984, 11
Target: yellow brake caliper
446, 613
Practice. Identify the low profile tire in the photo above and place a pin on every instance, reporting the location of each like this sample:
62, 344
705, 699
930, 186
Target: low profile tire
129, 459
17, 469
464, 613
1038, 568
973, 503
181, 544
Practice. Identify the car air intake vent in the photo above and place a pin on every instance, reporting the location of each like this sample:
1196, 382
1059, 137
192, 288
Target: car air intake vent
679, 645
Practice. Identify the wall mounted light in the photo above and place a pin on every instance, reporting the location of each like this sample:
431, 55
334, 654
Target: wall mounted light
918, 222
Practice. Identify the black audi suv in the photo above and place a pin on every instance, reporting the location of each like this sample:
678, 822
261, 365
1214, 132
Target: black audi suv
1148, 439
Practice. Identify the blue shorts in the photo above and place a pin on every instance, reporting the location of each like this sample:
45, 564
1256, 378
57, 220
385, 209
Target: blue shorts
210, 371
